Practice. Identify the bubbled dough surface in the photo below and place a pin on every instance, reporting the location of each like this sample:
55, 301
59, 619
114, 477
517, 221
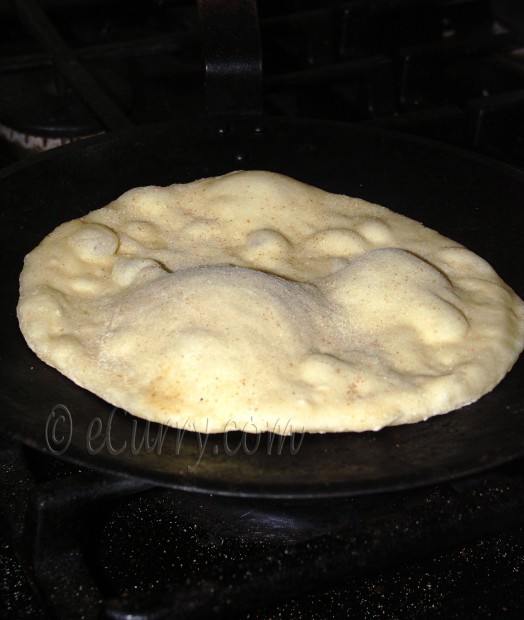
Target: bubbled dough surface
256, 302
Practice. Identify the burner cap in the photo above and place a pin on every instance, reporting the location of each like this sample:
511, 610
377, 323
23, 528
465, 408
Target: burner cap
35, 144
40, 104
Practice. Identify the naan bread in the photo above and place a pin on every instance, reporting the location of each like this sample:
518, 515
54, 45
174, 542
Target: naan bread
255, 302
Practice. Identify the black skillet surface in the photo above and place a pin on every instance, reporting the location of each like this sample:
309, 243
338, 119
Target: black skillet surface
468, 198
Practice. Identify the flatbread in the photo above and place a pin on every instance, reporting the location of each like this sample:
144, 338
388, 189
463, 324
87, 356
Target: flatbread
254, 302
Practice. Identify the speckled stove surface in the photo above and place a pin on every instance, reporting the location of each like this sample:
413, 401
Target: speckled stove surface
78, 544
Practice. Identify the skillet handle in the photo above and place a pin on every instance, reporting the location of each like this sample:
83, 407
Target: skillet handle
233, 56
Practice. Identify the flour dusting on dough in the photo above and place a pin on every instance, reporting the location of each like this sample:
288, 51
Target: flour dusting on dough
254, 299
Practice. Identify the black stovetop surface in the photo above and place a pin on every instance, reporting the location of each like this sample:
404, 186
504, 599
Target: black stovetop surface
75, 543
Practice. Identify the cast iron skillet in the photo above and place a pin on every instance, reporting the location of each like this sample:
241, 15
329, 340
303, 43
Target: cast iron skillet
468, 198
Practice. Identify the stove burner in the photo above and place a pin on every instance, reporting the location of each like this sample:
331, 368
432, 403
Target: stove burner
41, 103
28, 144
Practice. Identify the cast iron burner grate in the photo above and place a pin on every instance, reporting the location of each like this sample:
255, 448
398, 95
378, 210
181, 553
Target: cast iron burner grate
443, 69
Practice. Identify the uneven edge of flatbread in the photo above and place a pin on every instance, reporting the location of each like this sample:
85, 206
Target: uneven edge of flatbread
46, 303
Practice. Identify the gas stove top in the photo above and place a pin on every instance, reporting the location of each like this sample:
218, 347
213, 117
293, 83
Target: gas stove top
76, 543
451, 70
